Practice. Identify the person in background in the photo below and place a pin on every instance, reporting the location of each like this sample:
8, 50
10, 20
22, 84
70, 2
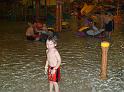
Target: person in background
109, 24
37, 26
30, 32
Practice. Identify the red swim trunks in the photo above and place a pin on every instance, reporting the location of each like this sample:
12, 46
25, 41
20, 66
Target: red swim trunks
54, 77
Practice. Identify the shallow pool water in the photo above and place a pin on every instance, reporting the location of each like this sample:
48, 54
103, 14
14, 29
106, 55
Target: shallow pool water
22, 62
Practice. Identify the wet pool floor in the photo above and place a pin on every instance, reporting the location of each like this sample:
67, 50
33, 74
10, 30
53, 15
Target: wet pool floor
22, 62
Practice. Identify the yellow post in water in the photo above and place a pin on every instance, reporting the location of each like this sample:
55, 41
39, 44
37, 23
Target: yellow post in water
104, 46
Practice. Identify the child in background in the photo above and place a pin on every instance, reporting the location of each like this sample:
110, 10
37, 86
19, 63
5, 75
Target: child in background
30, 32
44, 29
53, 64
109, 24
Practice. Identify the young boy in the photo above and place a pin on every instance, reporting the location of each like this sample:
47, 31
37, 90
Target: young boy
53, 64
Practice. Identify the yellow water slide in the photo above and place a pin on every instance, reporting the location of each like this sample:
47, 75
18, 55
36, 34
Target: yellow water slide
83, 28
87, 9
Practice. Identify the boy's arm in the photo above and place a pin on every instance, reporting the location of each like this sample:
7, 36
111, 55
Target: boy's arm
46, 66
58, 59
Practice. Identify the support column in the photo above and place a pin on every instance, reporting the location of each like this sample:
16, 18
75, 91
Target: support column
58, 15
104, 46
37, 9
45, 10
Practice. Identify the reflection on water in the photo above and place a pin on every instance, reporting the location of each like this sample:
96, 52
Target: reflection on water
22, 63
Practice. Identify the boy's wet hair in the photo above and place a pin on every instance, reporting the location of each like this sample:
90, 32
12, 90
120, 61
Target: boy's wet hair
52, 39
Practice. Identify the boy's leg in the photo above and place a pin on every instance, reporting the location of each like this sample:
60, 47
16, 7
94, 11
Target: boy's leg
51, 86
56, 86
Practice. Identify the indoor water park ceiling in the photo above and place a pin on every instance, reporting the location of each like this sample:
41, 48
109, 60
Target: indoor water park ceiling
120, 1
9, 0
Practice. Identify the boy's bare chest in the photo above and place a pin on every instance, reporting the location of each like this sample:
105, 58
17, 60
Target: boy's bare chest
50, 54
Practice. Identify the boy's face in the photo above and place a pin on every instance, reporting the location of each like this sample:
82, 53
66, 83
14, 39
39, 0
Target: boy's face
50, 44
